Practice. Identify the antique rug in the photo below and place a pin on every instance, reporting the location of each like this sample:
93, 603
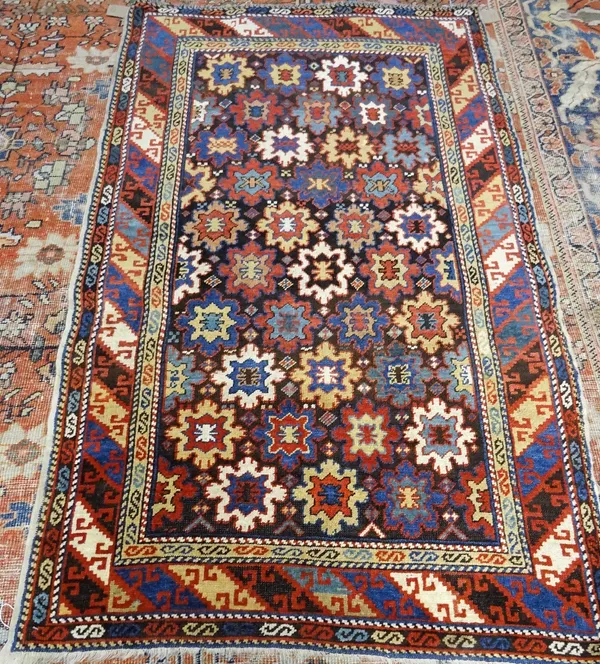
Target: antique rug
314, 393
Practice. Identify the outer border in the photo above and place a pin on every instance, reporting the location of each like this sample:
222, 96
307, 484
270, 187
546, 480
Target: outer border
153, 654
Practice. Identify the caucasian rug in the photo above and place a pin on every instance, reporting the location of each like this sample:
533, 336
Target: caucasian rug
313, 394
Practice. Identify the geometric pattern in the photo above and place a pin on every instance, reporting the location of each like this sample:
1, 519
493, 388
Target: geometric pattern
314, 392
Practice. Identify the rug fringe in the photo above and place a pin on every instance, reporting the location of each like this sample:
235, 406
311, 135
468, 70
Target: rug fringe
220, 655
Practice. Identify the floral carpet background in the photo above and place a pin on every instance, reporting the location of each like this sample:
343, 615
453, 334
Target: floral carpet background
56, 64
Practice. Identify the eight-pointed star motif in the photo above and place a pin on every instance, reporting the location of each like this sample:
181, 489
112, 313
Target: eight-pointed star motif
248, 377
322, 272
246, 494
341, 75
285, 145
416, 227
441, 436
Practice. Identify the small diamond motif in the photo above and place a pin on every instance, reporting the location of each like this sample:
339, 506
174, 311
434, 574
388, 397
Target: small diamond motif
450, 515
248, 418
370, 483
286, 283
327, 419
290, 388
329, 449
287, 362
213, 281
357, 283
247, 447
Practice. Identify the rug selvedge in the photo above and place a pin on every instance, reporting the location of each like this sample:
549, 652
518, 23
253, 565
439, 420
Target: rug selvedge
338, 594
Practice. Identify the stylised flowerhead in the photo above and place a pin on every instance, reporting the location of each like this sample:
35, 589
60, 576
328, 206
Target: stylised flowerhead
287, 74
180, 378
287, 226
367, 434
286, 146
354, 226
287, 323
189, 269
444, 271
319, 183
326, 376
198, 181
211, 322
322, 272
205, 432
224, 73
248, 377
221, 145
441, 435
348, 148
255, 110
381, 184
396, 77
215, 224
416, 227
341, 75
317, 112
246, 495
252, 182
400, 375
390, 270
360, 321
427, 322
289, 435
331, 497
251, 270
374, 113
409, 500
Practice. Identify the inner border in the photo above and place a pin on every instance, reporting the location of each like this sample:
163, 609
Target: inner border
132, 548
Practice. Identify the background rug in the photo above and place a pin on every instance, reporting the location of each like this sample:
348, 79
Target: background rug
313, 392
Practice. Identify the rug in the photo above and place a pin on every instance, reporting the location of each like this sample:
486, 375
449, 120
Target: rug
313, 393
